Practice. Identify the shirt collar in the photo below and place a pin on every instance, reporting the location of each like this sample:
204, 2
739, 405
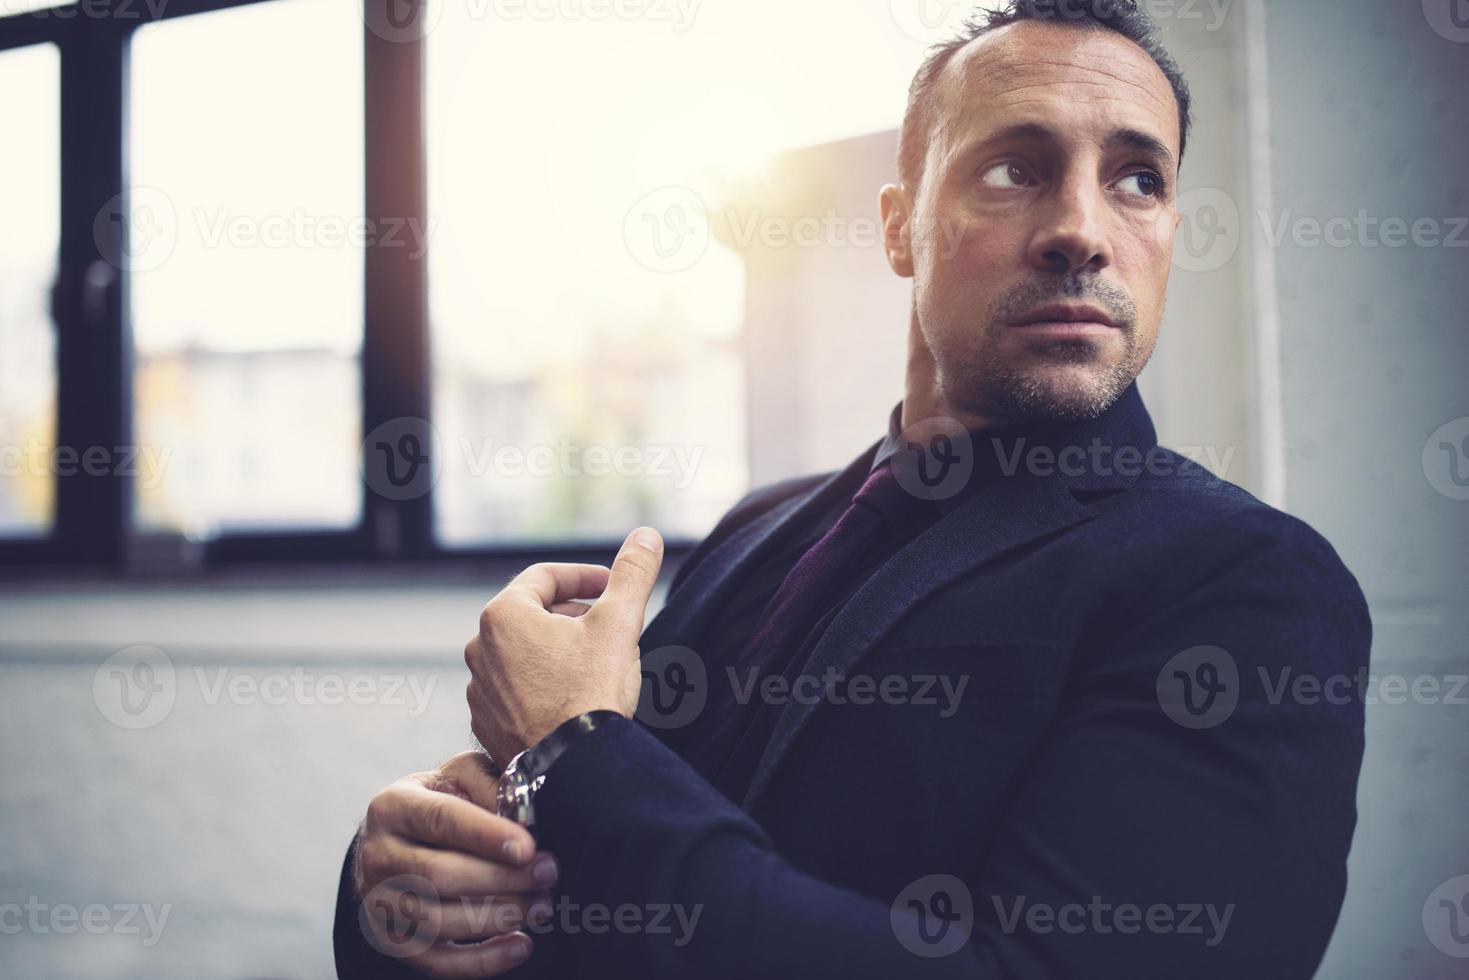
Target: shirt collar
893, 441
1123, 428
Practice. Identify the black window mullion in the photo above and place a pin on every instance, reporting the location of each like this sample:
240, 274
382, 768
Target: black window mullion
36, 27
94, 348
395, 350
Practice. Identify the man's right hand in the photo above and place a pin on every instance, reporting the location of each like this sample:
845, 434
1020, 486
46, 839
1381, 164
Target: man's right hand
435, 864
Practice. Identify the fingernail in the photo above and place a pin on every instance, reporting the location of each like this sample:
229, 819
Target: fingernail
517, 952
647, 537
515, 851
544, 870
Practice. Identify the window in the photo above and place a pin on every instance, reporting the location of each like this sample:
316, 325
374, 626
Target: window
559, 299
8, 7
246, 259
30, 199
578, 392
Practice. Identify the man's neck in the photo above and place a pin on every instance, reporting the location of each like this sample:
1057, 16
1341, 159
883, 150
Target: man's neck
922, 398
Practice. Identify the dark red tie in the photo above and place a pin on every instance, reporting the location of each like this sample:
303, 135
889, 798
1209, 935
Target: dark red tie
811, 584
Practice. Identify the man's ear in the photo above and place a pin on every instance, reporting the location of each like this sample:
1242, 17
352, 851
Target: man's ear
896, 205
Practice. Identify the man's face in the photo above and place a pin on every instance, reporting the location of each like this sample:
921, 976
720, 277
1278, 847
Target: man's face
1048, 183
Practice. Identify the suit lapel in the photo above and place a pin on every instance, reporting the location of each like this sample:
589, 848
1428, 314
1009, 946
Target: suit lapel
999, 517
731, 563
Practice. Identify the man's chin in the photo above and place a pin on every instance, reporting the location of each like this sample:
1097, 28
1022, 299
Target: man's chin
1064, 392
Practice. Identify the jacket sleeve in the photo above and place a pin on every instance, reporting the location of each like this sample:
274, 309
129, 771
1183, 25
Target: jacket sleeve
356, 958
1143, 841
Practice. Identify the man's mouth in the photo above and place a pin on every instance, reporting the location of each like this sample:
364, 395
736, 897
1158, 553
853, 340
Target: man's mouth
1067, 320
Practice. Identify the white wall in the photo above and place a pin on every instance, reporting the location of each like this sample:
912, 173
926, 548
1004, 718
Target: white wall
827, 325
1367, 107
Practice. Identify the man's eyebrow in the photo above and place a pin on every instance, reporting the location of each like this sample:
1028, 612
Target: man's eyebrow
1022, 131
1133, 139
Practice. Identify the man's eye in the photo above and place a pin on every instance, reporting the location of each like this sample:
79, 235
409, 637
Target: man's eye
1007, 175
1143, 184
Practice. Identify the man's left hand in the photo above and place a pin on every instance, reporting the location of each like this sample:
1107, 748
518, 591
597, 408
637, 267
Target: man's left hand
541, 657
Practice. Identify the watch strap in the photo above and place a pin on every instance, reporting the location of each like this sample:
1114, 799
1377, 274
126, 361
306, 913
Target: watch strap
537, 759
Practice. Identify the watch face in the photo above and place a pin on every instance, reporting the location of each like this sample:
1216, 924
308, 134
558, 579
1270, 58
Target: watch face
505, 794
512, 797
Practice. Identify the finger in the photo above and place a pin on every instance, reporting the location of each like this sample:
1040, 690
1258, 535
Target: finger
630, 583
463, 918
441, 820
452, 873
549, 582
479, 960
470, 773
476, 917
571, 608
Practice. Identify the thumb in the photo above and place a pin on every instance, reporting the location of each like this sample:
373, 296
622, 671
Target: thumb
469, 772
630, 583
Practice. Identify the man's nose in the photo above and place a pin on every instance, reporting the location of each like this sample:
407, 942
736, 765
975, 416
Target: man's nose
1071, 234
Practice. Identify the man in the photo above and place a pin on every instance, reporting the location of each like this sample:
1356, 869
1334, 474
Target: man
1009, 696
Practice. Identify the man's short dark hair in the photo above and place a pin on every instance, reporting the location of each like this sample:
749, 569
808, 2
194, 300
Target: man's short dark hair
1122, 16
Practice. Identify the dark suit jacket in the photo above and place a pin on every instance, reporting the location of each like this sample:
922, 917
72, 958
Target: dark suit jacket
1136, 783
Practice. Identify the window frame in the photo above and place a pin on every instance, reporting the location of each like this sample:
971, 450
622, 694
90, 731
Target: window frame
94, 514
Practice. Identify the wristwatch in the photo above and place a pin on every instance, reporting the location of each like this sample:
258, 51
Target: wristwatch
525, 773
